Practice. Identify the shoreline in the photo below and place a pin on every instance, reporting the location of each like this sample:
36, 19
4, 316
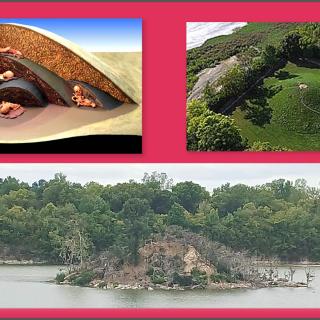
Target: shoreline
25, 262
105, 285
102, 285
283, 264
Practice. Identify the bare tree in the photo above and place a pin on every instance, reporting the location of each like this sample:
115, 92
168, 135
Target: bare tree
291, 273
74, 248
309, 275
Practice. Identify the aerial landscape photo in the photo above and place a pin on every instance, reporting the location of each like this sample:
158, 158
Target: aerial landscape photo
159, 235
62, 78
253, 86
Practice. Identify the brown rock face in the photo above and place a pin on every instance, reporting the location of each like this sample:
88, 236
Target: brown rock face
57, 58
193, 260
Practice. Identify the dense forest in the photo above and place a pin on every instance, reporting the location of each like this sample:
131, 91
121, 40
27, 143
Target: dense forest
48, 219
267, 54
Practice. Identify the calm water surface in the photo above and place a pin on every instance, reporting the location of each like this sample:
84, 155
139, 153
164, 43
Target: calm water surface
27, 287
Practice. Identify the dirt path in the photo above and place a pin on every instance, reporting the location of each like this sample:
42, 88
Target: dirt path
211, 75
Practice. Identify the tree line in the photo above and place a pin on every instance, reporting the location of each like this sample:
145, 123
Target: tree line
62, 221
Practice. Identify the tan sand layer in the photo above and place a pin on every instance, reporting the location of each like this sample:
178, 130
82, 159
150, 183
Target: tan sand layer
57, 122
128, 65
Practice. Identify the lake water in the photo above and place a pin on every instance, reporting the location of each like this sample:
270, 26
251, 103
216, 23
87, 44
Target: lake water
27, 287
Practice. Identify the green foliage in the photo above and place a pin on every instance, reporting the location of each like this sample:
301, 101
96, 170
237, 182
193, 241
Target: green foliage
199, 277
234, 81
137, 217
213, 51
83, 279
293, 125
279, 218
212, 98
60, 277
182, 280
190, 195
158, 277
221, 277
214, 132
266, 146
196, 108
176, 216
287, 118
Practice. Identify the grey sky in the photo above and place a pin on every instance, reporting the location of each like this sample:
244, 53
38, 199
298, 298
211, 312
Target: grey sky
208, 175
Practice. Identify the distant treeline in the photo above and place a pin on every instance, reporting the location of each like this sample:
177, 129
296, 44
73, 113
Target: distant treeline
59, 220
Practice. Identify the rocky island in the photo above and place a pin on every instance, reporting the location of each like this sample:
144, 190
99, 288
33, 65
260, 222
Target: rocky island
178, 260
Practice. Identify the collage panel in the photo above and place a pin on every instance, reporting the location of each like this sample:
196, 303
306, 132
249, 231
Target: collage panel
71, 82
159, 235
253, 86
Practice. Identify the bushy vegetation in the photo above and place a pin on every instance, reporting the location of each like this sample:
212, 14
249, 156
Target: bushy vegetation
60, 277
83, 279
66, 222
266, 146
210, 131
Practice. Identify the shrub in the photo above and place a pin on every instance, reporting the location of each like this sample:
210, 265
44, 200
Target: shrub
84, 278
158, 277
214, 132
199, 277
266, 146
221, 277
60, 277
182, 280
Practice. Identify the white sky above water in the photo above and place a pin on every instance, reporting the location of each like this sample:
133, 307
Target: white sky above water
207, 175
199, 32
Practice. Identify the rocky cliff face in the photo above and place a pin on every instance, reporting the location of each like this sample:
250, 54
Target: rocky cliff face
175, 260
161, 264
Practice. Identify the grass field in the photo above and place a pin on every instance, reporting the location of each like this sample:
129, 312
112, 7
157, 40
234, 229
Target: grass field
261, 33
295, 113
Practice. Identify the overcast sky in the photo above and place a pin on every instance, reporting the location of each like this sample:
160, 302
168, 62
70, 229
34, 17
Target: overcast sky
199, 32
208, 175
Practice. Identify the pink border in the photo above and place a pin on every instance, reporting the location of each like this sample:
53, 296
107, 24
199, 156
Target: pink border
164, 115
161, 313
164, 71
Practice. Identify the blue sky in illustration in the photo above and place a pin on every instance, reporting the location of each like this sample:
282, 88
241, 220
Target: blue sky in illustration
95, 35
